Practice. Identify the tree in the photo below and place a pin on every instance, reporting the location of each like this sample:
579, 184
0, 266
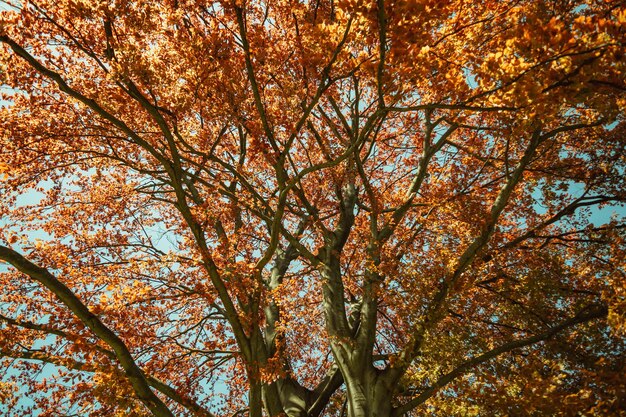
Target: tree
302, 208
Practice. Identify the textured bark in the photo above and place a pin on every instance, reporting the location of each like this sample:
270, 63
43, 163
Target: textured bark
368, 396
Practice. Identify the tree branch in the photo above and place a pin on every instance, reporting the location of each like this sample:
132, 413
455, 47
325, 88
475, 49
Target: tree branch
583, 316
81, 311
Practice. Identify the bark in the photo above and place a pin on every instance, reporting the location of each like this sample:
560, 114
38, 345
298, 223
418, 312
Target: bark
255, 399
293, 397
368, 396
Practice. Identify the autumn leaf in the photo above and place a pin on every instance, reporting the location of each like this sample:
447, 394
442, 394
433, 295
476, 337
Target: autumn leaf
314, 208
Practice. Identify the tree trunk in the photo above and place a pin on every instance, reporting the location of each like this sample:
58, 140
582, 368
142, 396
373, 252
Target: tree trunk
368, 396
255, 400
284, 397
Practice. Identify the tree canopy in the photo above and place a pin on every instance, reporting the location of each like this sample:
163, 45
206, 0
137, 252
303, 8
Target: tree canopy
312, 208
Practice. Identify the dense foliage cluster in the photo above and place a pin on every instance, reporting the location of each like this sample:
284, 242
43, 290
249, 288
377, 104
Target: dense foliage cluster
311, 208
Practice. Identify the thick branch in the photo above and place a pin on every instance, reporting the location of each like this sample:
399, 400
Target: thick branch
92, 104
255, 87
590, 313
67, 297
436, 309
324, 391
157, 384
